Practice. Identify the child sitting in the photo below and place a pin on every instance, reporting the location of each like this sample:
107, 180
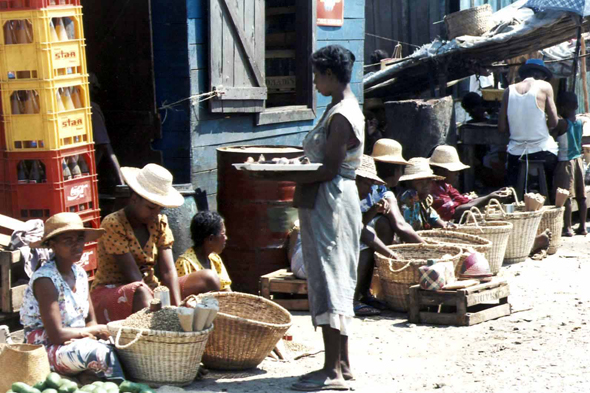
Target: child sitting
200, 269
569, 173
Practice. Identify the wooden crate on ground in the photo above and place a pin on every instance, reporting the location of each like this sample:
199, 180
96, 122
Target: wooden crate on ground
12, 296
285, 289
470, 306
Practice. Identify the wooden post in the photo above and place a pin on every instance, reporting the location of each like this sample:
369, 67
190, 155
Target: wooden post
584, 76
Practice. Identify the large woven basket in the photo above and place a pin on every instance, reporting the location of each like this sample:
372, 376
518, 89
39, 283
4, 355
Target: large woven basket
412, 256
552, 220
498, 232
397, 296
158, 357
463, 240
474, 21
524, 233
247, 328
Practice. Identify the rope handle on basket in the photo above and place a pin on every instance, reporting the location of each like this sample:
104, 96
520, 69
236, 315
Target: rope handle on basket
497, 204
119, 346
398, 270
470, 217
515, 195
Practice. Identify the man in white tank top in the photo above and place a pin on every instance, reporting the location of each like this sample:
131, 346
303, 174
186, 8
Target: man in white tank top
528, 113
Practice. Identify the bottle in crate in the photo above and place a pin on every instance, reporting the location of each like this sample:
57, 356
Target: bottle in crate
20, 5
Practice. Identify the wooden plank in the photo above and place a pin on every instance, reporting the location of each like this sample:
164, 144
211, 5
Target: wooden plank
265, 287
487, 296
494, 312
439, 319
10, 223
17, 295
215, 51
293, 304
293, 287
242, 93
415, 302
285, 113
433, 298
482, 287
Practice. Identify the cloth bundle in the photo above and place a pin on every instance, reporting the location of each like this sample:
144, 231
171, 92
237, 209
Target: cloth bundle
533, 202
434, 277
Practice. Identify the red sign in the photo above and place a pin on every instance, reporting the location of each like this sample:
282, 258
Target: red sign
330, 12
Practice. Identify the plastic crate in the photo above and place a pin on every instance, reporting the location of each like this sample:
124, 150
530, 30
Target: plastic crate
19, 5
49, 127
29, 48
89, 260
51, 162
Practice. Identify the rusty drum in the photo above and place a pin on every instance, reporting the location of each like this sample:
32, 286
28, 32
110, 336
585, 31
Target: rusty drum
258, 215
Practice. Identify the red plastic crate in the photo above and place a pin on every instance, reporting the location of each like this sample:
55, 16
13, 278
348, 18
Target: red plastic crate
89, 260
19, 5
51, 161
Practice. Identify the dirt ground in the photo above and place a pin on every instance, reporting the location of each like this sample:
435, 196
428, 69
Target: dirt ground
542, 346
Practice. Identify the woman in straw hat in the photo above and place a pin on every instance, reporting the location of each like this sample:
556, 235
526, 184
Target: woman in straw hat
137, 238
57, 311
448, 202
330, 215
415, 200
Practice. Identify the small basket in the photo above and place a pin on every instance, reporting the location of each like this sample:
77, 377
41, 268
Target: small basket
405, 270
552, 220
474, 21
463, 240
247, 328
159, 357
498, 232
524, 233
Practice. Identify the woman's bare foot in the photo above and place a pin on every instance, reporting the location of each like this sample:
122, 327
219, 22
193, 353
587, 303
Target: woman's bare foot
542, 242
318, 375
581, 230
346, 373
567, 232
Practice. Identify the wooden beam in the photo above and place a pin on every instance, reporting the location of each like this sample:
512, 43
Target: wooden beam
583, 71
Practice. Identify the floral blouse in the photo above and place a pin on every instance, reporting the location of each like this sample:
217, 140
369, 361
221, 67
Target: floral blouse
73, 306
419, 214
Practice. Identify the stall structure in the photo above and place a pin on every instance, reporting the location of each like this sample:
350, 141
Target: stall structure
47, 161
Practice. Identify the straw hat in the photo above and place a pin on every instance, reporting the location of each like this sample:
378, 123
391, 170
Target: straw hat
388, 150
154, 183
418, 168
445, 156
368, 169
65, 222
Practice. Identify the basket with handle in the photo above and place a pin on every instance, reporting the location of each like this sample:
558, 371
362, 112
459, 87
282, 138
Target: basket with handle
159, 357
523, 234
247, 328
463, 240
498, 232
552, 220
474, 21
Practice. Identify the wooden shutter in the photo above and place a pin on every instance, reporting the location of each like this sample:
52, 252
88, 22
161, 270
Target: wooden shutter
236, 55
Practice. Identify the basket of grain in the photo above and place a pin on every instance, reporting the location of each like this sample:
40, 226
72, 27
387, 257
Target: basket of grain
498, 232
524, 233
398, 275
474, 21
155, 350
247, 328
465, 241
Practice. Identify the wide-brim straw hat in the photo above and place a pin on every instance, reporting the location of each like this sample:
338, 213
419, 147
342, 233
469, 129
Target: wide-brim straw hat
368, 169
154, 183
535, 64
418, 168
389, 151
445, 156
66, 222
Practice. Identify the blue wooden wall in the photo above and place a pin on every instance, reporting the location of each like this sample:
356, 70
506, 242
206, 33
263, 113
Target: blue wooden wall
190, 134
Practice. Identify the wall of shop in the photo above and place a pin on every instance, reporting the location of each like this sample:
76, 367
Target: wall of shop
190, 133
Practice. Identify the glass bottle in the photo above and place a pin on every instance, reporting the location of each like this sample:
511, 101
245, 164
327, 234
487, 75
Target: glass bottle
75, 94
35, 173
21, 173
83, 167
74, 168
66, 170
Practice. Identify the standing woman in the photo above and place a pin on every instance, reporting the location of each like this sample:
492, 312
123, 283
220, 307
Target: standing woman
330, 215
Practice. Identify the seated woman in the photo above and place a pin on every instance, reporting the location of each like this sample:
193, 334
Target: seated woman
448, 202
416, 201
57, 311
137, 238
200, 269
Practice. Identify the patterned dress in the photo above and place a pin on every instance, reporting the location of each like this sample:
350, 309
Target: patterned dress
331, 231
188, 263
80, 355
112, 296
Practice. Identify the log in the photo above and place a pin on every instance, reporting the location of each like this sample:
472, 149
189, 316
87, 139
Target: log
420, 125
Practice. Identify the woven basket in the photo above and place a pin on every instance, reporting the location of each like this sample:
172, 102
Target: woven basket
412, 256
498, 232
158, 357
247, 328
524, 233
396, 295
463, 240
552, 220
474, 21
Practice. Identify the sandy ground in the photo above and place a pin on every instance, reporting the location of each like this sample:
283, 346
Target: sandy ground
542, 346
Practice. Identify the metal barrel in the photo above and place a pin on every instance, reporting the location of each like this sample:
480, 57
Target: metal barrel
258, 215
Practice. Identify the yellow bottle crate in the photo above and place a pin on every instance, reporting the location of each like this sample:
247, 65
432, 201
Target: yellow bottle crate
46, 115
42, 45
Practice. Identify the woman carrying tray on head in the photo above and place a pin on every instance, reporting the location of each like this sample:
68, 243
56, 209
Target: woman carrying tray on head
57, 311
330, 215
137, 238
